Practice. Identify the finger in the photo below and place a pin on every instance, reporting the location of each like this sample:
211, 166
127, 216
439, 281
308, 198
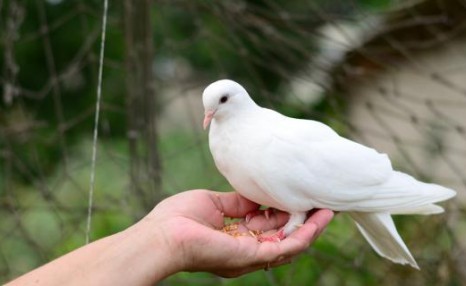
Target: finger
235, 272
298, 241
279, 262
313, 226
258, 225
271, 264
232, 204
321, 218
276, 220
313, 211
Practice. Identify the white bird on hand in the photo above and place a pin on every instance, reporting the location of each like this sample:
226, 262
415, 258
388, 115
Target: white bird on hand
296, 165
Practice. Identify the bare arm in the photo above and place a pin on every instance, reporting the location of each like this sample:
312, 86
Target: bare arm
131, 257
180, 234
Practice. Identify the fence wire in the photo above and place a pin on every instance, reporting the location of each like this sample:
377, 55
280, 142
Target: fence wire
389, 74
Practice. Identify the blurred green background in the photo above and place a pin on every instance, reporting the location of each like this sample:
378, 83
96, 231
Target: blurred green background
389, 74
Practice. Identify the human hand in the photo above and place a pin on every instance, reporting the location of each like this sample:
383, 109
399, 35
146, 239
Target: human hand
180, 234
190, 222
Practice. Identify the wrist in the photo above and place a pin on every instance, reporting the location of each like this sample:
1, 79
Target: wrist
157, 255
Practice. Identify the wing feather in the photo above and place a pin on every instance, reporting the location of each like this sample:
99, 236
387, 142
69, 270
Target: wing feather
320, 167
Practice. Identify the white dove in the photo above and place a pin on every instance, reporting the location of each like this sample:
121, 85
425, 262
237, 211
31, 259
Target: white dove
295, 165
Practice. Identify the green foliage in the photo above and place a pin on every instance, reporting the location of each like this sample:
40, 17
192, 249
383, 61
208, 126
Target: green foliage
56, 78
193, 168
259, 43
376, 4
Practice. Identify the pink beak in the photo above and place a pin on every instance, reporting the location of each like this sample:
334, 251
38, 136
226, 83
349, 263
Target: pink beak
208, 115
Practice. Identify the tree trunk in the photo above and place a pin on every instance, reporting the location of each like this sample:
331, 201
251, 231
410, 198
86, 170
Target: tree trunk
145, 167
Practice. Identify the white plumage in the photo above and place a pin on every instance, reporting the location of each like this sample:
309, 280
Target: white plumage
296, 165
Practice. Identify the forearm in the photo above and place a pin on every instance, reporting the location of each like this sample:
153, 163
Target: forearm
136, 256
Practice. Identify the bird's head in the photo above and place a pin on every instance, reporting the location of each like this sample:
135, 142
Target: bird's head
224, 98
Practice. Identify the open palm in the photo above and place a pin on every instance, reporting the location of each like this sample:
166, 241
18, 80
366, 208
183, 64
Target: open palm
190, 222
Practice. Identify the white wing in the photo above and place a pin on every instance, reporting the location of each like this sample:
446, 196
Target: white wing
340, 162
305, 164
321, 174
334, 172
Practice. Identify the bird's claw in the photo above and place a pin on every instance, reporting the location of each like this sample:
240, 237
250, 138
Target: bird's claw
267, 213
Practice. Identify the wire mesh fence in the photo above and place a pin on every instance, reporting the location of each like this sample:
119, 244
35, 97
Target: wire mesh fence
387, 74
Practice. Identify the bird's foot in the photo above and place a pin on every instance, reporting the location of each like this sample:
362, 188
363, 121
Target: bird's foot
276, 237
267, 212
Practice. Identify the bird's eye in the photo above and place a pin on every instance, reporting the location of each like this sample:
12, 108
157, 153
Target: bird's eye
223, 99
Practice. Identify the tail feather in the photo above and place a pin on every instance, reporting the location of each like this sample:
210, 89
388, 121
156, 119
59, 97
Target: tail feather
402, 194
421, 210
380, 231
